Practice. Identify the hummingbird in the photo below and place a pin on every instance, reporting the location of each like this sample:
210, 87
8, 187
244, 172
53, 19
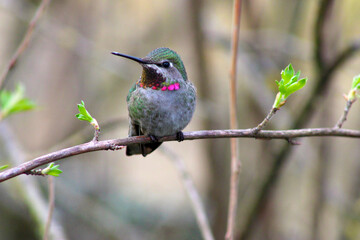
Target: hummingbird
161, 102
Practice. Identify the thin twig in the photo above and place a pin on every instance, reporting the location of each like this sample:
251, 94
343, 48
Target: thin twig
235, 160
345, 114
24, 43
96, 134
51, 188
265, 121
231, 133
193, 194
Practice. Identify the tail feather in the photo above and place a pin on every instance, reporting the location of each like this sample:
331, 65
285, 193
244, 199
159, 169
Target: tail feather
143, 149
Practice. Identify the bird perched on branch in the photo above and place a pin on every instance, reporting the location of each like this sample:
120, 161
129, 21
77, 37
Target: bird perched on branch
161, 102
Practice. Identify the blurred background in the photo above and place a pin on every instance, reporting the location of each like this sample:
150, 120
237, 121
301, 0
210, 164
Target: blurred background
309, 191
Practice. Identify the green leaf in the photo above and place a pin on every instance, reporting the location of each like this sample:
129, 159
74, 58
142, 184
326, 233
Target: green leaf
23, 105
287, 73
13, 102
282, 88
52, 170
3, 167
83, 114
294, 79
297, 75
4, 97
302, 82
356, 82
355, 87
288, 84
295, 87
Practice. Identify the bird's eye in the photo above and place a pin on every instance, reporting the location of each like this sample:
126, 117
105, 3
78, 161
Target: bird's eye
166, 64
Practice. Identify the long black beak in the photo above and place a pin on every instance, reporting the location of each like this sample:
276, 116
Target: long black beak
136, 59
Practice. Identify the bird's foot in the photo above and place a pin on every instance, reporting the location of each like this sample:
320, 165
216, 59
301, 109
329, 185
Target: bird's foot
154, 138
180, 136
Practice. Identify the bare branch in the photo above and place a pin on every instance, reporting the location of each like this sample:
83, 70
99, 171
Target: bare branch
96, 134
345, 114
24, 43
235, 160
265, 121
113, 144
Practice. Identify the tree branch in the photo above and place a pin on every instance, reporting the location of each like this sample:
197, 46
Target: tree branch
24, 43
113, 144
235, 160
343, 118
266, 120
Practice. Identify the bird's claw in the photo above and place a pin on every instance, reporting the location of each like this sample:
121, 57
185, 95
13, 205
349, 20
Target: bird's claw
154, 138
180, 136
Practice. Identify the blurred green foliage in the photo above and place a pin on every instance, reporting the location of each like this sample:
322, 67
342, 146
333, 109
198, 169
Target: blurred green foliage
13, 102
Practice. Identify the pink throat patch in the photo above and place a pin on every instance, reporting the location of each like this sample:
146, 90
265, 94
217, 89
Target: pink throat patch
171, 87
163, 86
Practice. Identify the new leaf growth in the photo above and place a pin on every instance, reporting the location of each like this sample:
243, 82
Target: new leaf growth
52, 170
288, 84
84, 115
355, 87
13, 102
